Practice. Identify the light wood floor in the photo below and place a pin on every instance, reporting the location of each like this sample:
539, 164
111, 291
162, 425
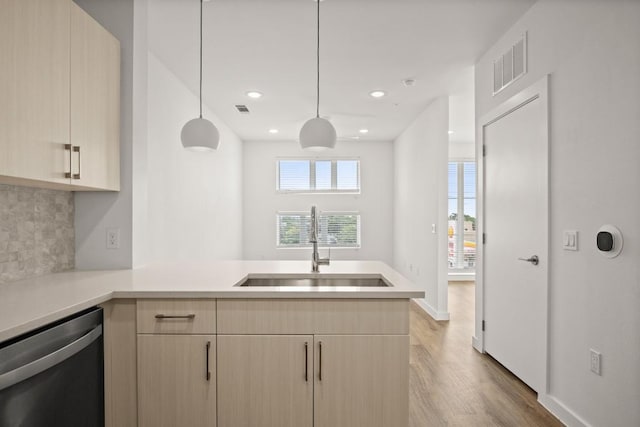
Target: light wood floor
454, 385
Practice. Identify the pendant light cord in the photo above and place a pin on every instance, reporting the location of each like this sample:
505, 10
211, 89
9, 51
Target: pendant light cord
201, 2
318, 63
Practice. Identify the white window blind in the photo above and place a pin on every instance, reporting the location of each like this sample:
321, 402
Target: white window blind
335, 229
462, 215
319, 175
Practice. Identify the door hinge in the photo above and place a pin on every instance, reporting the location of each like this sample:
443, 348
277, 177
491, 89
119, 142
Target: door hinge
484, 150
484, 238
483, 325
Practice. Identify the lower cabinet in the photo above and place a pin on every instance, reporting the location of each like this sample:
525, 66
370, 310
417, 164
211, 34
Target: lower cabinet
265, 380
306, 380
361, 380
176, 380
262, 363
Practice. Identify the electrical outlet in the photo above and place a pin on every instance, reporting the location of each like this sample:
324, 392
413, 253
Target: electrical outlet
113, 238
596, 361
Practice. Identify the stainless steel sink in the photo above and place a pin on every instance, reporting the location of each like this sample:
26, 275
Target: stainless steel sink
341, 281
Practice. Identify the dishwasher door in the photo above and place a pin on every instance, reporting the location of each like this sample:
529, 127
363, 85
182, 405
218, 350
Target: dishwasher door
54, 376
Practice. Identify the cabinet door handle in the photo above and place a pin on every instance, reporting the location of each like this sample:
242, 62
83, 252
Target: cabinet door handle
207, 371
161, 316
70, 148
320, 360
306, 361
77, 150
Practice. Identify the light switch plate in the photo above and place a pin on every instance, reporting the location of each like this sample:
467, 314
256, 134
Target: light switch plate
570, 240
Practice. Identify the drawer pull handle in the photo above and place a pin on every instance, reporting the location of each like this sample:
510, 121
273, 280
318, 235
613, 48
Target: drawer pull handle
182, 316
76, 149
207, 371
320, 357
70, 148
306, 361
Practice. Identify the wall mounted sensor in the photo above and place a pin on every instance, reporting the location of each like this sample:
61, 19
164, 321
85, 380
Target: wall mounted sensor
609, 241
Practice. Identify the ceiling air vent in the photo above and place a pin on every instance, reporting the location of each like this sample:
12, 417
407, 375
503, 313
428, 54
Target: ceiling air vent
242, 109
511, 65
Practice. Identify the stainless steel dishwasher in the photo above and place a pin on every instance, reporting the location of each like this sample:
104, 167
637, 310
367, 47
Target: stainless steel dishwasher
54, 376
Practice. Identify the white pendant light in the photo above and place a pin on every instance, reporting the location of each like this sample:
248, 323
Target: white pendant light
200, 134
318, 133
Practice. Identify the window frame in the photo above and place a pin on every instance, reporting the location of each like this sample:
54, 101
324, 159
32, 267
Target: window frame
312, 175
460, 201
321, 214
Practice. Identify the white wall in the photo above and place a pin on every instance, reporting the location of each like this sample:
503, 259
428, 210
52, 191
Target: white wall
140, 202
261, 202
592, 51
420, 200
96, 211
194, 198
173, 204
462, 118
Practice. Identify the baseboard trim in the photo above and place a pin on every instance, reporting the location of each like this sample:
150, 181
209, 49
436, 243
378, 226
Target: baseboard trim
461, 277
437, 315
475, 342
561, 412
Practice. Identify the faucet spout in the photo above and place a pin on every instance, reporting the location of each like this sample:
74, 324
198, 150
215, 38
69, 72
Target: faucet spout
316, 261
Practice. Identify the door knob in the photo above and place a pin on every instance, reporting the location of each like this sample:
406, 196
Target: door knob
533, 259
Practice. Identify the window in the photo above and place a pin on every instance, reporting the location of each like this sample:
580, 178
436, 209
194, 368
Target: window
462, 215
335, 229
319, 175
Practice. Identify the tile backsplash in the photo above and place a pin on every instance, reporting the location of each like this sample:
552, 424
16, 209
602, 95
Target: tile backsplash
36, 232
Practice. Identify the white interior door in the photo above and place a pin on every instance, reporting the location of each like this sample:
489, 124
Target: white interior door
516, 228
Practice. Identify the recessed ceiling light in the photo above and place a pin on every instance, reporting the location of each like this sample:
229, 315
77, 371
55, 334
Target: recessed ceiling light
254, 94
450, 132
377, 93
354, 137
364, 131
273, 130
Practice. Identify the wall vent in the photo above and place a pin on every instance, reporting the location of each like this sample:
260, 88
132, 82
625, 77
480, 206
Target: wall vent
510, 66
242, 109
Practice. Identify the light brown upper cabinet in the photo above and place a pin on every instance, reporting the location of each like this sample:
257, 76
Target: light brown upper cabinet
59, 97
95, 104
34, 91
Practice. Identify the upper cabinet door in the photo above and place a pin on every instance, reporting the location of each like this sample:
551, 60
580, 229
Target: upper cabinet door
34, 90
95, 104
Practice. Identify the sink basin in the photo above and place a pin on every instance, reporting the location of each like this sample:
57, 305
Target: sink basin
341, 281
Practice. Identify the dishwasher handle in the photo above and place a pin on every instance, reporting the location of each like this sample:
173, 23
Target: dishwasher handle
31, 369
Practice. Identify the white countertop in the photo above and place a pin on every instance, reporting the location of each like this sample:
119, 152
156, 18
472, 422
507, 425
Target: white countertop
31, 303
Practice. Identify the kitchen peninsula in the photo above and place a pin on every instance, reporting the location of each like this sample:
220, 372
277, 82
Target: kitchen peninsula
185, 343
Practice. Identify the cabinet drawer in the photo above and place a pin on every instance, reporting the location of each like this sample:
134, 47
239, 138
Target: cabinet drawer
265, 316
313, 316
361, 316
176, 316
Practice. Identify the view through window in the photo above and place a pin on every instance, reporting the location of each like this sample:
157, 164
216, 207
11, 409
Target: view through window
462, 216
319, 175
335, 229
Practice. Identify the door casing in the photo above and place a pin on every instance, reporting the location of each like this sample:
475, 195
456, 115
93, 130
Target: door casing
538, 90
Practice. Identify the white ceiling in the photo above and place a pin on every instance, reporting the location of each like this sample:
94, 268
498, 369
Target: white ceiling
269, 46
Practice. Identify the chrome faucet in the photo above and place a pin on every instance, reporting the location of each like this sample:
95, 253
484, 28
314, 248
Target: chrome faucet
316, 261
